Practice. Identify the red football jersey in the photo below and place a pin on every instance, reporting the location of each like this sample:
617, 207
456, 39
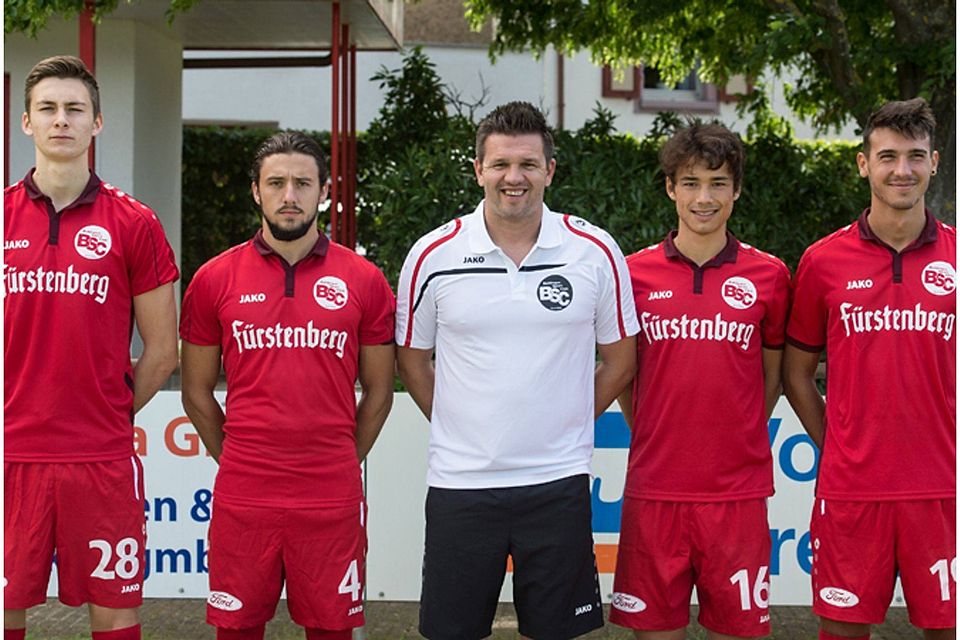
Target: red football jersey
887, 322
290, 338
700, 429
69, 279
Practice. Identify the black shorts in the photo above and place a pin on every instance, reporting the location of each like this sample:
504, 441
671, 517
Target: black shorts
546, 528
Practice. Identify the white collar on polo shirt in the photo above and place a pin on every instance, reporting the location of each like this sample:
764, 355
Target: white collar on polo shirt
548, 238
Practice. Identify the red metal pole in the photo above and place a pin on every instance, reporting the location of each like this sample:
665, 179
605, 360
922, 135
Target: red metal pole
335, 124
88, 53
345, 128
353, 146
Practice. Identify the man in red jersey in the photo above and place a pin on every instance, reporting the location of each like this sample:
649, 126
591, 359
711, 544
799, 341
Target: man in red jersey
296, 321
81, 261
712, 314
879, 295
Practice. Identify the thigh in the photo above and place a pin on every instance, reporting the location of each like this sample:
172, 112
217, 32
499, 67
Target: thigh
853, 560
654, 577
324, 560
464, 563
927, 559
246, 568
732, 557
101, 533
28, 533
555, 587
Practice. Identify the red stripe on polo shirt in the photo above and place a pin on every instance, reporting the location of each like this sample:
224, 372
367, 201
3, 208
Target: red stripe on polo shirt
416, 272
613, 267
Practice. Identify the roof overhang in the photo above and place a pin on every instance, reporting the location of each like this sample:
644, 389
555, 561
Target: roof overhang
273, 24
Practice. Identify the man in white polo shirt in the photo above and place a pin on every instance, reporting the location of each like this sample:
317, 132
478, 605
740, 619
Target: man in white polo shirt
514, 301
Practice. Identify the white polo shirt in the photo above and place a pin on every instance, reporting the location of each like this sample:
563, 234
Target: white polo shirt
513, 401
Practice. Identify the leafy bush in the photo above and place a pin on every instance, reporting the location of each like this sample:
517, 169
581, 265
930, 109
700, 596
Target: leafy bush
415, 172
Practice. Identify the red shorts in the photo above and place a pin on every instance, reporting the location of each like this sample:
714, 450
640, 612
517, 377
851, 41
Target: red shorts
92, 515
668, 547
320, 553
858, 548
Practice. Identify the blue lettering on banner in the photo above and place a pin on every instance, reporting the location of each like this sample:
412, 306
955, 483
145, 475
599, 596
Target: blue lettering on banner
157, 508
176, 560
610, 431
200, 511
804, 551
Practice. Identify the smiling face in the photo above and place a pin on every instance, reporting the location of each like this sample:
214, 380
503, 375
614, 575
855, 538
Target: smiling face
704, 199
61, 119
514, 174
898, 169
289, 192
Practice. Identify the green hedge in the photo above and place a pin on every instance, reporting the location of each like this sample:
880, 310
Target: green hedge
793, 192
415, 172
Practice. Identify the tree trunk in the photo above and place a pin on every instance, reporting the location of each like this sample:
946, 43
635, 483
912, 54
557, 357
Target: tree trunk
942, 196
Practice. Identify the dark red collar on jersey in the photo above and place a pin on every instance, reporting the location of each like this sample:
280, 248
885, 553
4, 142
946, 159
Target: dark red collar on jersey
289, 270
927, 236
727, 254
87, 196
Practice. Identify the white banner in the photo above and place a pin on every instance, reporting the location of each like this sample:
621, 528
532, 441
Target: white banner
179, 479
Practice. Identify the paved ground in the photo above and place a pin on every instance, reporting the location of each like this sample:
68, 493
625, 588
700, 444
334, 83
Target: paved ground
183, 620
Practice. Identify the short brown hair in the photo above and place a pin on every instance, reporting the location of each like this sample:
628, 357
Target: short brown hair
712, 144
515, 118
62, 67
912, 119
289, 142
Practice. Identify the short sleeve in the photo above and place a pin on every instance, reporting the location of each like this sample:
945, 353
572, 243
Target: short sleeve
199, 321
152, 262
616, 307
774, 326
807, 328
416, 307
378, 319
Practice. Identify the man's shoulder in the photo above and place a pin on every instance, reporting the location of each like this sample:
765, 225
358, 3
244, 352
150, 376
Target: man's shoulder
653, 252
442, 237
123, 204
761, 259
223, 263
831, 245
576, 230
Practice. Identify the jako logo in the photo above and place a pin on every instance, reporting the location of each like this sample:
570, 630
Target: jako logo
839, 597
225, 601
859, 284
330, 292
555, 293
738, 292
252, 297
16, 244
660, 295
473, 259
92, 242
939, 278
582, 609
628, 603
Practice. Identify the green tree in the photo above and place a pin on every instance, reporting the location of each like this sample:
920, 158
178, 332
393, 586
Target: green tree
850, 55
30, 16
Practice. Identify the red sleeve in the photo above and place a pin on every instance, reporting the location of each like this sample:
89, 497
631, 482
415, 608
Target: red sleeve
774, 327
151, 263
807, 328
199, 323
379, 312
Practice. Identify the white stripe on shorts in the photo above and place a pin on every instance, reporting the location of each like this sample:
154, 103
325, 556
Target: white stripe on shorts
136, 477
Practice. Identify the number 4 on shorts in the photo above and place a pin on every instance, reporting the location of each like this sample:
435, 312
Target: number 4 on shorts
351, 582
